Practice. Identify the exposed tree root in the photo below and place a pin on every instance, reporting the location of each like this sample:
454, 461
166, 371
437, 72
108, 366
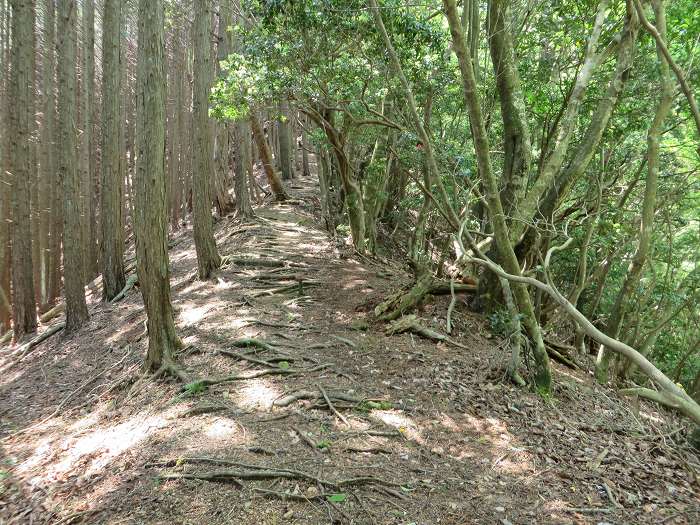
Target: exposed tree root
248, 342
286, 496
260, 472
7, 337
410, 323
227, 260
204, 408
26, 348
130, 283
311, 395
402, 302
205, 383
53, 313
172, 369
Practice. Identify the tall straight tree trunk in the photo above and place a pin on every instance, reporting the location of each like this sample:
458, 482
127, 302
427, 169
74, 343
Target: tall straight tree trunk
286, 159
222, 146
654, 134
207, 257
48, 156
73, 248
244, 165
112, 259
5, 203
150, 200
20, 167
87, 139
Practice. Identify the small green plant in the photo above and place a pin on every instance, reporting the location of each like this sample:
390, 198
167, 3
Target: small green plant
324, 444
284, 365
195, 387
337, 498
366, 406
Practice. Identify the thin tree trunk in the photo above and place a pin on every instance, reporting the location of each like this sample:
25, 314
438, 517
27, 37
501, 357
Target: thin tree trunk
243, 166
543, 375
87, 140
634, 271
73, 248
285, 142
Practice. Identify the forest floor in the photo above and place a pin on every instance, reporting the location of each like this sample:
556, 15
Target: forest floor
419, 433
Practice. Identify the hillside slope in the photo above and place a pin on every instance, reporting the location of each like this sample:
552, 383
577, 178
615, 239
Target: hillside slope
417, 432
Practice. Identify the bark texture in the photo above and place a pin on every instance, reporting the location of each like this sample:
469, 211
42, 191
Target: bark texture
151, 219
20, 166
112, 260
207, 257
73, 252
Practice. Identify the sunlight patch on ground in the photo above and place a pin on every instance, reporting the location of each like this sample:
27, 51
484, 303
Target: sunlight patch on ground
507, 457
222, 429
400, 421
192, 315
257, 393
93, 451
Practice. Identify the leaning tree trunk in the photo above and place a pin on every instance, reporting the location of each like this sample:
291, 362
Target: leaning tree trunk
265, 156
207, 256
73, 248
151, 217
634, 271
21, 118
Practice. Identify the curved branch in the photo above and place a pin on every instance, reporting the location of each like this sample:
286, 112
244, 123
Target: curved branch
685, 87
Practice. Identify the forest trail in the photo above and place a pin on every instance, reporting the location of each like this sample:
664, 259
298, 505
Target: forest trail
415, 433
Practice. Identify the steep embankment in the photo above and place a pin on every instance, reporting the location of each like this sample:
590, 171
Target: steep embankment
417, 432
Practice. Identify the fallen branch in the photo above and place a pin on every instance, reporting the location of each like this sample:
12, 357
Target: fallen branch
558, 356
306, 439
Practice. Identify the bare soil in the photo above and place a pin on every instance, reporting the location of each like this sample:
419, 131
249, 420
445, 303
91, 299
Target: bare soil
427, 433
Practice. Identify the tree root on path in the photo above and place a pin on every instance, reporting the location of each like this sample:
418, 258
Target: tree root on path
296, 287
288, 399
205, 383
227, 260
410, 323
261, 472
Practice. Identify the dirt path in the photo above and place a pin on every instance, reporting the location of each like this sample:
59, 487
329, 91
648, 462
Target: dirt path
417, 432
